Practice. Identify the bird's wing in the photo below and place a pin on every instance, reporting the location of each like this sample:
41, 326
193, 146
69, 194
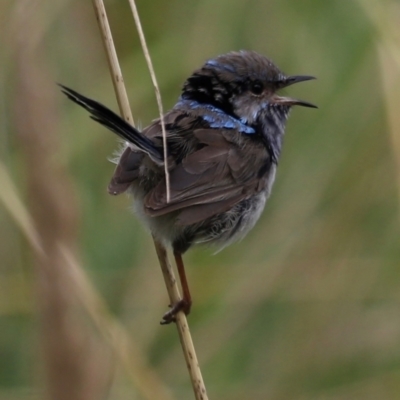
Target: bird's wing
208, 181
126, 171
176, 124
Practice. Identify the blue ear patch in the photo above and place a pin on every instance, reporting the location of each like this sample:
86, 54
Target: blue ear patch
215, 117
223, 67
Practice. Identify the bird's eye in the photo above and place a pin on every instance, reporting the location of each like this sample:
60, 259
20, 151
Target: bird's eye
256, 87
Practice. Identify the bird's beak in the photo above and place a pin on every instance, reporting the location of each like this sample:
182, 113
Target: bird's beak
291, 80
288, 101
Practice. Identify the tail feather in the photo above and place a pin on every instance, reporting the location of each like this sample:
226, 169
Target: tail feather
115, 123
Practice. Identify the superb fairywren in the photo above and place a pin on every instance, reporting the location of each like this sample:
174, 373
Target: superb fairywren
224, 140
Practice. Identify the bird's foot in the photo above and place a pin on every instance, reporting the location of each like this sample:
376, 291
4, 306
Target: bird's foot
170, 316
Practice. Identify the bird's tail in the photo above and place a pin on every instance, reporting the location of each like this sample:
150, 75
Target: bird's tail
115, 123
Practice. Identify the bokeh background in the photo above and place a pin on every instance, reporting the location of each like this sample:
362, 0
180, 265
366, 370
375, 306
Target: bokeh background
306, 307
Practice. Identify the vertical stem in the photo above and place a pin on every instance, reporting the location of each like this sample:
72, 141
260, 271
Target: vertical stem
181, 324
112, 58
169, 277
156, 89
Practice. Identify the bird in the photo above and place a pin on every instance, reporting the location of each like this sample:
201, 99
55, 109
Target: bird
224, 139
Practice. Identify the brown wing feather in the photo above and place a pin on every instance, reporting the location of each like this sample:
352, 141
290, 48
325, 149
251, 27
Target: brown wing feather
207, 182
126, 171
192, 215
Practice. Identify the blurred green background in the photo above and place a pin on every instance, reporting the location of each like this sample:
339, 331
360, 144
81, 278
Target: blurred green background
305, 307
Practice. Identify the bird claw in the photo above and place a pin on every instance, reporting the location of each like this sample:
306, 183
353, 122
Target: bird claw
170, 316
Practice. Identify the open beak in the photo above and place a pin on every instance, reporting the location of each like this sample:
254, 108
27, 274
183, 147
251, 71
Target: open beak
291, 80
289, 101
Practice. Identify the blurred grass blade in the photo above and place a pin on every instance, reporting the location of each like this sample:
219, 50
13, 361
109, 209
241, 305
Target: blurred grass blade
17, 210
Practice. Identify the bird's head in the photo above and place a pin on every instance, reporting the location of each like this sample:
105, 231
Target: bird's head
245, 85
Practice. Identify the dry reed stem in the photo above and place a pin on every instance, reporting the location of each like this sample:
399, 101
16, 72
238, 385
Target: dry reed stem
182, 325
170, 281
385, 20
156, 90
112, 58
17, 210
390, 72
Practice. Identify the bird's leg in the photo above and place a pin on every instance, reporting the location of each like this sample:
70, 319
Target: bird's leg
185, 303
187, 298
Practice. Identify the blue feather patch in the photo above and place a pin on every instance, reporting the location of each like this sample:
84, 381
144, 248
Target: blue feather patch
215, 117
224, 67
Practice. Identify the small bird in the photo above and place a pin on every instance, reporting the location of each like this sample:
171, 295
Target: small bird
224, 140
